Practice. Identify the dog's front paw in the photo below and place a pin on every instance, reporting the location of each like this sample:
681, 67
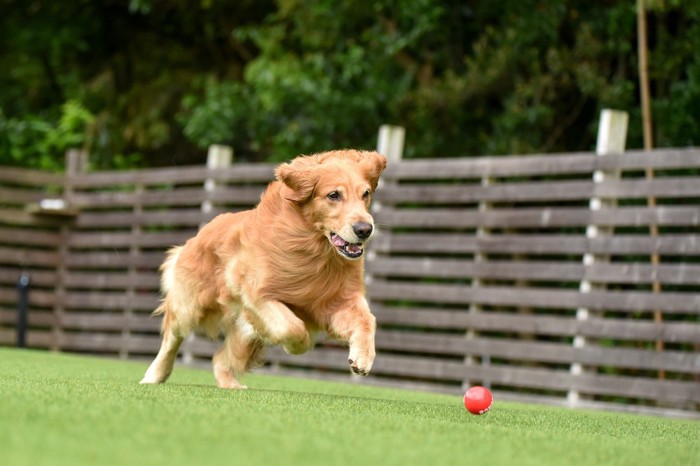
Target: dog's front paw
361, 361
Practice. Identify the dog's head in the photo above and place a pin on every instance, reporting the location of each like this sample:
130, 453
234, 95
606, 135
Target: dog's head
333, 191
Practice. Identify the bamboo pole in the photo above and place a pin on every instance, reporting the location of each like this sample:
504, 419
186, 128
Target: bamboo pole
648, 139
643, 49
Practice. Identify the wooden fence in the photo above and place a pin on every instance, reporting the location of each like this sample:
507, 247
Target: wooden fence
537, 276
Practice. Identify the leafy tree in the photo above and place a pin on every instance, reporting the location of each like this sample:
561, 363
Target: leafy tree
325, 77
44, 139
128, 63
161, 80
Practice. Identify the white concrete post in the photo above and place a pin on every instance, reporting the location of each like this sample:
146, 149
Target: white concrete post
218, 156
612, 134
390, 142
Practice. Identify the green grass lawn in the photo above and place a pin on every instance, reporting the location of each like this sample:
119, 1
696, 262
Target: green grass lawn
60, 409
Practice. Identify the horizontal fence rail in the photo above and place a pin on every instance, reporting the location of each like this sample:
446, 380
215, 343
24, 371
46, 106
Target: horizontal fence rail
483, 271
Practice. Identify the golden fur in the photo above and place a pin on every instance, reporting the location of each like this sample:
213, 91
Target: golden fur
276, 274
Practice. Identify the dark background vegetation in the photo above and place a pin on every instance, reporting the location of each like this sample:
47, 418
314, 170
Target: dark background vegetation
154, 82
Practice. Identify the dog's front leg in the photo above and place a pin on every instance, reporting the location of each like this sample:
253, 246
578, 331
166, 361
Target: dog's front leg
356, 325
278, 325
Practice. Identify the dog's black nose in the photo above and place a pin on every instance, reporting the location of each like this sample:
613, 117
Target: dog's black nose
362, 229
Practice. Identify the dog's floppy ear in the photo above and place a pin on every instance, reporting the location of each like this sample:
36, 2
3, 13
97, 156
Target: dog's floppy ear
374, 164
299, 177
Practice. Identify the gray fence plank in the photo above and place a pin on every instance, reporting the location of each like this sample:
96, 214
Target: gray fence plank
532, 165
93, 240
23, 218
247, 195
535, 351
680, 273
536, 324
20, 196
102, 322
111, 301
114, 260
112, 280
553, 298
174, 176
28, 237
462, 243
39, 277
107, 343
29, 177
38, 298
169, 218
28, 257
539, 217
550, 191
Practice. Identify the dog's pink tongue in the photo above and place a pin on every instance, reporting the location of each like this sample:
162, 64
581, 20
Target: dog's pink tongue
338, 241
354, 248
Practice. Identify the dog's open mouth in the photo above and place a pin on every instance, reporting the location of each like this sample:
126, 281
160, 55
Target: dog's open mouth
349, 250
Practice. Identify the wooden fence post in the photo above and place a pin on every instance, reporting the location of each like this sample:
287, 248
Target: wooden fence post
132, 270
612, 136
76, 163
218, 156
475, 308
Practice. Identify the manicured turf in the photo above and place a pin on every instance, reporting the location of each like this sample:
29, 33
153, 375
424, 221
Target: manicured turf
60, 409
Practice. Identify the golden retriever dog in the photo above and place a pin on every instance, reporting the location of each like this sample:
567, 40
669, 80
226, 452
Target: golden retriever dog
279, 273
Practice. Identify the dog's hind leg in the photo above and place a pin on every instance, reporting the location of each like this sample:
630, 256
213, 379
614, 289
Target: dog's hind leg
162, 365
242, 350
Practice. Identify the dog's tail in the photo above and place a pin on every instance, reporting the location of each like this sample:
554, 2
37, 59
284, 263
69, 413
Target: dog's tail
167, 282
167, 272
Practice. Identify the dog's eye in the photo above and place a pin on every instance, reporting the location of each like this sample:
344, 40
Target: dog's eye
334, 196
365, 195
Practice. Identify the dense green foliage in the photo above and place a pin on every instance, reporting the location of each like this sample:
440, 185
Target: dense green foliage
74, 410
154, 82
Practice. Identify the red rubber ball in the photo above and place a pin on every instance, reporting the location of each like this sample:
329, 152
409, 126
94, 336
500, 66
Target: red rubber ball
478, 400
